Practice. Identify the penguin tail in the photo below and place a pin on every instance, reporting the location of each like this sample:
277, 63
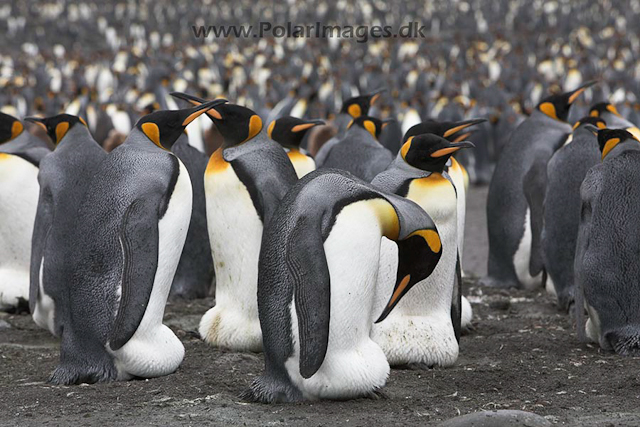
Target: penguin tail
266, 389
67, 374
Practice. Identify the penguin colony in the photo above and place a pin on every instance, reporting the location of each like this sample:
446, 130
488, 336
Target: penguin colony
333, 246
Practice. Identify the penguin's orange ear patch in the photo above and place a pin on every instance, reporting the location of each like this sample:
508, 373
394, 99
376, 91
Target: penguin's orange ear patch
431, 237
609, 145
405, 148
354, 111
549, 109
17, 128
594, 113
370, 126
61, 131
601, 125
255, 126
270, 128
152, 132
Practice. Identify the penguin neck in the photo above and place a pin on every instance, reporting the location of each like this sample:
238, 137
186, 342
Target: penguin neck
15, 143
138, 139
582, 135
77, 135
622, 148
362, 135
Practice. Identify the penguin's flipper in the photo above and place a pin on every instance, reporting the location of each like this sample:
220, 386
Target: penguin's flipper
535, 186
307, 265
139, 239
44, 218
456, 301
266, 172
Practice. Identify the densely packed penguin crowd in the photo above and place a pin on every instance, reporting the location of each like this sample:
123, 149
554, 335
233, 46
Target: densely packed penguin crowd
323, 206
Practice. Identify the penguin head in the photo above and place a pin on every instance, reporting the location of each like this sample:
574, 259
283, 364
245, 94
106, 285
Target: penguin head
236, 124
359, 105
597, 122
430, 152
603, 107
557, 106
443, 129
164, 127
608, 139
10, 127
418, 255
289, 131
370, 124
58, 126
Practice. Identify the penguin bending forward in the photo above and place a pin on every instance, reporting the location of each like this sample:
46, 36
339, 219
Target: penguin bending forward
18, 205
63, 178
289, 132
424, 330
607, 271
244, 182
316, 287
116, 267
516, 193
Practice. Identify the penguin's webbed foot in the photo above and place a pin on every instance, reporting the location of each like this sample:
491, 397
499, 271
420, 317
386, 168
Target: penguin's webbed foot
265, 389
377, 394
69, 375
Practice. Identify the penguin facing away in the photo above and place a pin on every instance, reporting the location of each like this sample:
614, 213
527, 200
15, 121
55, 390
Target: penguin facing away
516, 192
610, 114
565, 172
359, 152
63, 179
607, 272
424, 330
195, 273
289, 132
244, 182
120, 256
318, 267
16, 141
18, 204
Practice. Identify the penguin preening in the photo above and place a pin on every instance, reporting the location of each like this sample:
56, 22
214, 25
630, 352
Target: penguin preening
289, 132
316, 291
424, 329
244, 182
359, 151
607, 272
119, 257
516, 192
19, 189
63, 179
352, 108
565, 172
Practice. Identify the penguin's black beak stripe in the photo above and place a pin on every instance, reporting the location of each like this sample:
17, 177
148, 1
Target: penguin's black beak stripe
581, 89
462, 137
194, 100
37, 120
444, 151
397, 293
202, 108
462, 125
304, 126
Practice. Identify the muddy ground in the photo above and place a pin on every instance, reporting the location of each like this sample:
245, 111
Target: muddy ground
523, 354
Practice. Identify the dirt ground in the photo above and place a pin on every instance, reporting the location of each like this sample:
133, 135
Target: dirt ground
523, 354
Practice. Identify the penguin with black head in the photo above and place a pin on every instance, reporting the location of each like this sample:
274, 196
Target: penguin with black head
289, 132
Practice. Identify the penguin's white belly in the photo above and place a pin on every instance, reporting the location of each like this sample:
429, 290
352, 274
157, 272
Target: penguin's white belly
19, 192
354, 365
419, 329
154, 350
235, 233
302, 164
522, 257
458, 180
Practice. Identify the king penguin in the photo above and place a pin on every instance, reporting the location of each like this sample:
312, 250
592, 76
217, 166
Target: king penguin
316, 290
352, 108
516, 192
63, 179
565, 173
607, 272
19, 189
424, 330
608, 112
112, 277
360, 152
244, 182
289, 132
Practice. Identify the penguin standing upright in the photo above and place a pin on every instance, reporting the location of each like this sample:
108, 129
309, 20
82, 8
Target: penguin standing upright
119, 254
359, 152
514, 202
195, 273
424, 330
289, 132
352, 108
19, 189
565, 173
244, 182
316, 291
63, 179
607, 272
